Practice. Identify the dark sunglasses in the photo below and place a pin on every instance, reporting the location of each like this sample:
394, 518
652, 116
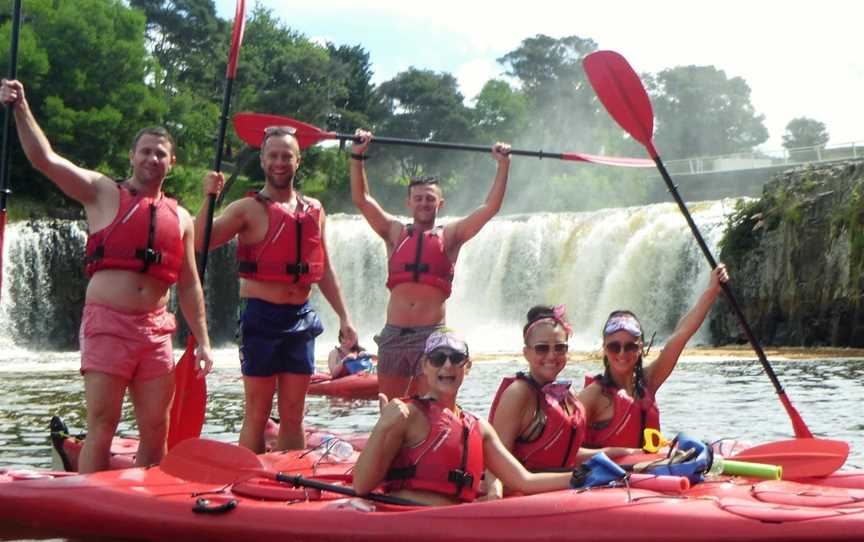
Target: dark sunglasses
543, 349
615, 347
438, 359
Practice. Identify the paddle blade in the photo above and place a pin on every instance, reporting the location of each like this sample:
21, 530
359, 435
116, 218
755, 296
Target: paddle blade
190, 399
211, 462
800, 457
798, 426
236, 38
251, 126
622, 94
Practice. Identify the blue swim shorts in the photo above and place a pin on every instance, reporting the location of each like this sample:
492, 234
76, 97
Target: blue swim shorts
277, 338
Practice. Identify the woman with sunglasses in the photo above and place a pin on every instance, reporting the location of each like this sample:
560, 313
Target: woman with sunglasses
620, 403
429, 450
538, 418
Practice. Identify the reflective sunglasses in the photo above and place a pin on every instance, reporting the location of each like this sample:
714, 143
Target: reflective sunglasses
615, 347
438, 359
543, 349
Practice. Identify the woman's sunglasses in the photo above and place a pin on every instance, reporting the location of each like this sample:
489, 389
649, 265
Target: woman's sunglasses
615, 347
543, 349
438, 359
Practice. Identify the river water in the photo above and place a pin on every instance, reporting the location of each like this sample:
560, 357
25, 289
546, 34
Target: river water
709, 398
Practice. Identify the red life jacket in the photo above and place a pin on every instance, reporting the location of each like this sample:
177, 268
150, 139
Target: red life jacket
292, 251
145, 236
449, 461
562, 435
630, 419
421, 258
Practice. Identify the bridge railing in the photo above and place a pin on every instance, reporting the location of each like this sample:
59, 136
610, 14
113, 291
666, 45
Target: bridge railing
761, 159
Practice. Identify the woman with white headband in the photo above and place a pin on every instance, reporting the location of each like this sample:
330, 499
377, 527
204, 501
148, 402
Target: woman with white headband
538, 417
620, 403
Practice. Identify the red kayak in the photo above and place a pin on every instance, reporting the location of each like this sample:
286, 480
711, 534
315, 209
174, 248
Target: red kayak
67, 448
199, 494
357, 386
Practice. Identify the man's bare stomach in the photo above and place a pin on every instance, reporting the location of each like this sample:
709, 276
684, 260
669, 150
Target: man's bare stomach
127, 290
281, 293
413, 304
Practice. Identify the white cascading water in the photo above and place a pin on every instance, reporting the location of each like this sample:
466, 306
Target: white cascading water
640, 258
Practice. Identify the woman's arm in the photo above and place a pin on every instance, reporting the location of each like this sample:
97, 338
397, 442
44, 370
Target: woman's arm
387, 437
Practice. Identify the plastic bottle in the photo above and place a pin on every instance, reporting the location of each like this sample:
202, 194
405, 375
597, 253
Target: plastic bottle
336, 448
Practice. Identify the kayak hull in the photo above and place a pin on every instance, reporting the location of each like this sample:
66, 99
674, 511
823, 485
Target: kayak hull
150, 504
357, 386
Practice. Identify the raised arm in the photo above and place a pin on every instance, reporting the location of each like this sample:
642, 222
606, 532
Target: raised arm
78, 183
383, 223
658, 371
331, 291
226, 225
191, 297
468, 227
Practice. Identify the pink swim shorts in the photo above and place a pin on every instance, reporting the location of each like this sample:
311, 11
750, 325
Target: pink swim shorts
134, 346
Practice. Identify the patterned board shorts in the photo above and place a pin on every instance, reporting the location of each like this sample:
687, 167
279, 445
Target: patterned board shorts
400, 349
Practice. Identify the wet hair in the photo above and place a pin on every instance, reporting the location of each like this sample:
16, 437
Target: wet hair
157, 131
539, 312
279, 131
606, 379
421, 180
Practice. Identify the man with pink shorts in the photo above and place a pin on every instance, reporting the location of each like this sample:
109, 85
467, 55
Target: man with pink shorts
140, 243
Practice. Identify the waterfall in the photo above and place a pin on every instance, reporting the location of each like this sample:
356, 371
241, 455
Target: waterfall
640, 258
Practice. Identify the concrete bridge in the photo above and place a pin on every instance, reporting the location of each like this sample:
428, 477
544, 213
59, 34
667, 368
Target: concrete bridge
742, 174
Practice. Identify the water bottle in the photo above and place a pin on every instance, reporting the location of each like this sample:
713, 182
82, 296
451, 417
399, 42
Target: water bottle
336, 448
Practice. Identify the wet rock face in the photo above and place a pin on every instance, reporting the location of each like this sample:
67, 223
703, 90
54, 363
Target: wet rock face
797, 258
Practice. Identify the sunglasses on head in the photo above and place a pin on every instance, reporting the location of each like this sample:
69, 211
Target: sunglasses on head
615, 347
279, 130
542, 349
439, 358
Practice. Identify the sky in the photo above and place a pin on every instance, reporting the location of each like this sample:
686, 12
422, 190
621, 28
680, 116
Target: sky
799, 58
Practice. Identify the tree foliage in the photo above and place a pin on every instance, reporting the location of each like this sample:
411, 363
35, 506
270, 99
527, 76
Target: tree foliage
701, 112
98, 70
804, 132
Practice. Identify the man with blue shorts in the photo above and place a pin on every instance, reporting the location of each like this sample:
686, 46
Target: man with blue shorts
281, 252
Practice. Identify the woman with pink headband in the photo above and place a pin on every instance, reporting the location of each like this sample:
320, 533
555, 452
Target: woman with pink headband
620, 403
538, 418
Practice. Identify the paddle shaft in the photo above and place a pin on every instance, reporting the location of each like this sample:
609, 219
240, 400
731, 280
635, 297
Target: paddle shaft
798, 424
298, 480
217, 166
9, 114
451, 146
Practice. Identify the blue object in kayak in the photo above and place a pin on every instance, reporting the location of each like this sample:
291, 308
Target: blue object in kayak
599, 470
363, 362
694, 467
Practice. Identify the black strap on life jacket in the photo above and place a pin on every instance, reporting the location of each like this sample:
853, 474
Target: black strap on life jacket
149, 255
459, 476
416, 268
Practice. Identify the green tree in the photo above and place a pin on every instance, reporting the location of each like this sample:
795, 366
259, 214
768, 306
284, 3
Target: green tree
561, 101
501, 111
83, 63
700, 111
804, 132
425, 105
361, 105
